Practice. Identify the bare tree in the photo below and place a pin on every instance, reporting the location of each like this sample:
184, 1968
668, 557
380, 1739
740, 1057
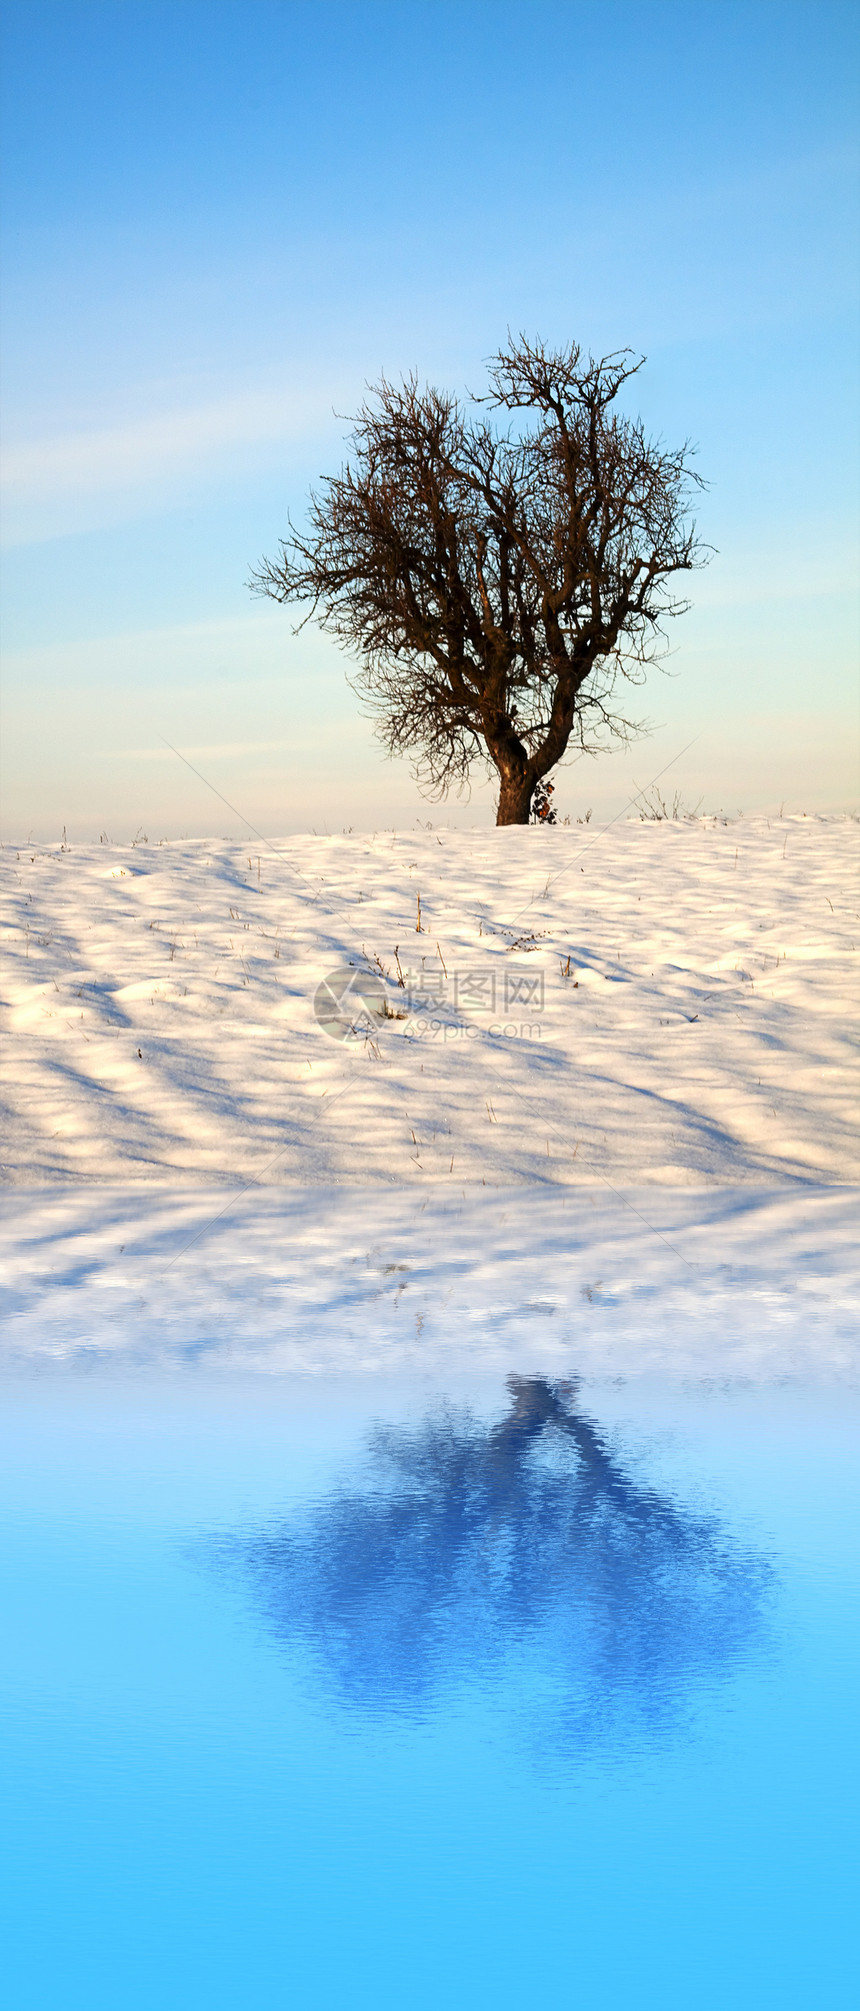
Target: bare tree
493, 583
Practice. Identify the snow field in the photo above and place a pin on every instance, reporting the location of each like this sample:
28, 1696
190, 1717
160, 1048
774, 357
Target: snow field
695, 1026
750, 1283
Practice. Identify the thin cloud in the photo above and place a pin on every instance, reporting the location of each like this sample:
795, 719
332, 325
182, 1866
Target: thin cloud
141, 451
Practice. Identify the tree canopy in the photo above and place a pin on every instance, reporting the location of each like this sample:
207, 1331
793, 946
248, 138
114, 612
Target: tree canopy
493, 577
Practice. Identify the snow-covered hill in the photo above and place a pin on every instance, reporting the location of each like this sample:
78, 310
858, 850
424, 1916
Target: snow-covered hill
661, 1003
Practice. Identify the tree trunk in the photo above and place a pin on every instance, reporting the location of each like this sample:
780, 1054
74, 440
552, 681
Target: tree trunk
515, 799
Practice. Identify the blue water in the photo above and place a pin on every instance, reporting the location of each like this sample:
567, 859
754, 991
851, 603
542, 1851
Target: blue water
337, 1691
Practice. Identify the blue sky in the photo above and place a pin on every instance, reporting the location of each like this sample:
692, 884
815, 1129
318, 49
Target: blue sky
220, 221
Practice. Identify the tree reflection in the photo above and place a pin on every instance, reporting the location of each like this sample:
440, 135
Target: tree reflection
466, 1545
